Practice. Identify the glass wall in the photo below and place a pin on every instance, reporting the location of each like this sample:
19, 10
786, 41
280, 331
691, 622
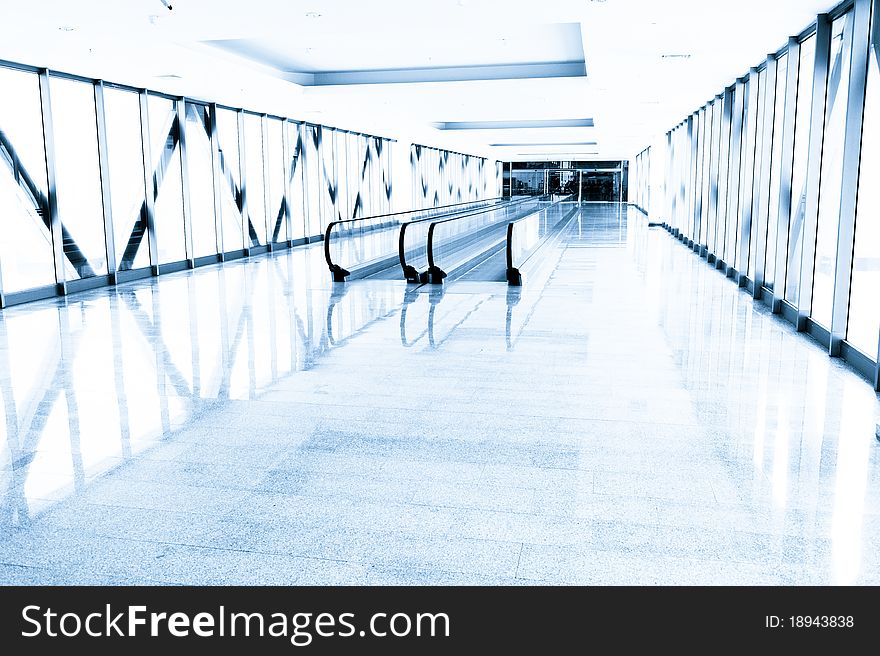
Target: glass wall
442, 177
99, 179
774, 161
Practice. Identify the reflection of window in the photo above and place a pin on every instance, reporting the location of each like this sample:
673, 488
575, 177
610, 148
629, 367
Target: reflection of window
864, 310
832, 169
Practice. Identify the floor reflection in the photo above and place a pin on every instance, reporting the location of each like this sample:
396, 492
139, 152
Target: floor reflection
628, 416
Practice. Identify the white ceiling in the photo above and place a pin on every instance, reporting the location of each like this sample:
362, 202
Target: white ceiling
398, 67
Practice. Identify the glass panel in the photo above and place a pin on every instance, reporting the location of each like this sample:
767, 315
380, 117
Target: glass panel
256, 187
230, 180
329, 187
384, 204
356, 161
201, 179
775, 172
275, 153
864, 309
295, 170
737, 152
343, 192
26, 258
313, 180
716, 150
164, 142
758, 227
799, 168
78, 178
723, 175
125, 161
832, 169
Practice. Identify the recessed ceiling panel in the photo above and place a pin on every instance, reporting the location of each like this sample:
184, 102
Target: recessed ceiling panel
400, 48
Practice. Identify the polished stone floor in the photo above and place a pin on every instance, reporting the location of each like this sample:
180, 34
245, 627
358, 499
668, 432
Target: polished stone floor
628, 417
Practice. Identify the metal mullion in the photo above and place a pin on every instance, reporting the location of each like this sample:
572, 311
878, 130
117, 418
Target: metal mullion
180, 108
855, 109
268, 218
766, 168
104, 169
149, 182
217, 182
242, 172
51, 183
814, 167
785, 174
747, 179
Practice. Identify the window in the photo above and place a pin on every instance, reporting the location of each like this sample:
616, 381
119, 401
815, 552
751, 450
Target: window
799, 168
255, 185
275, 182
26, 259
229, 180
775, 173
78, 178
832, 169
864, 308
200, 174
126, 164
167, 181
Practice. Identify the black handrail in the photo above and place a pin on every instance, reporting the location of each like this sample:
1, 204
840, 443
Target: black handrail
435, 274
513, 275
336, 269
409, 271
